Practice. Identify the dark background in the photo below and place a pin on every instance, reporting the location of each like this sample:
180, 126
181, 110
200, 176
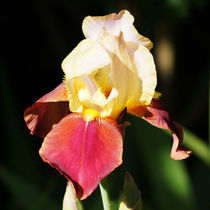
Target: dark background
37, 35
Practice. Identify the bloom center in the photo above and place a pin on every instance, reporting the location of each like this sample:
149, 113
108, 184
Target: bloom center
90, 114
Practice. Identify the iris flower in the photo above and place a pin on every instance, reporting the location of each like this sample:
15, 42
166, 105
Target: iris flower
109, 73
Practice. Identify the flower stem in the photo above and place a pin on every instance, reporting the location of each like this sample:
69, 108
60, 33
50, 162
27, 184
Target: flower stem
104, 194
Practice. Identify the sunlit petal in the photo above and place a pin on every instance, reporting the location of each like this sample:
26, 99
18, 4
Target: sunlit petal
114, 24
85, 152
147, 73
84, 59
132, 73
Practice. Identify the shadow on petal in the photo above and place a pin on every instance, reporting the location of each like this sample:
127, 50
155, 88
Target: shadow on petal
47, 111
41, 117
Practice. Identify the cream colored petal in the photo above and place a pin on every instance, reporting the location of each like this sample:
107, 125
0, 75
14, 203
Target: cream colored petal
147, 73
134, 85
73, 87
89, 84
91, 93
132, 73
84, 95
108, 74
99, 98
84, 59
110, 109
75, 105
114, 24
118, 73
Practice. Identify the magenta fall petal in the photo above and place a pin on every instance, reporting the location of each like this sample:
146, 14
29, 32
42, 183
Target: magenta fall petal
85, 152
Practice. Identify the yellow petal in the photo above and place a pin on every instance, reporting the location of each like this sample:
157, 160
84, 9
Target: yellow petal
114, 24
85, 94
102, 79
73, 87
132, 73
99, 98
118, 74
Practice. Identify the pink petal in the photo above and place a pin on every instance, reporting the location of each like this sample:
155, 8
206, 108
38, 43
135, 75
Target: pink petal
157, 114
85, 152
58, 94
47, 111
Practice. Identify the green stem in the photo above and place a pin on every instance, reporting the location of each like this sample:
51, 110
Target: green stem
104, 194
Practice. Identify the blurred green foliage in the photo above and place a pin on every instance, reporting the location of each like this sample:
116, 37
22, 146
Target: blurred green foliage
35, 37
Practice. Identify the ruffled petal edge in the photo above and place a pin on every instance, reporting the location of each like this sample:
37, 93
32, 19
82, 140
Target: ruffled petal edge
114, 24
156, 114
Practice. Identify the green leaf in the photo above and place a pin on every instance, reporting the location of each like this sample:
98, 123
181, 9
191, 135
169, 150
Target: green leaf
169, 181
197, 145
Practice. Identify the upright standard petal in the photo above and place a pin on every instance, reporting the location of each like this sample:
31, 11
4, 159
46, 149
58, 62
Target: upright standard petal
87, 56
83, 151
146, 72
132, 73
108, 74
47, 111
114, 24
157, 114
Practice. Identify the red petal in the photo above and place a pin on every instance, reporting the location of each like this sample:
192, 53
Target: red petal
47, 111
85, 152
156, 114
